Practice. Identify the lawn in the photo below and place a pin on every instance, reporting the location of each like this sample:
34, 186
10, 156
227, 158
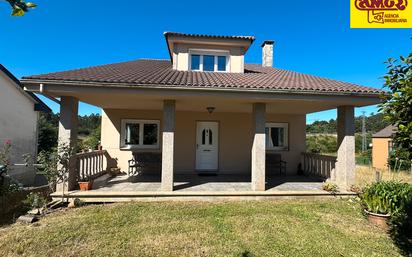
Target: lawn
254, 228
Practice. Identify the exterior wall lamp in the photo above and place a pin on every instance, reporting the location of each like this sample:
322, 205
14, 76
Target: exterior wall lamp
210, 109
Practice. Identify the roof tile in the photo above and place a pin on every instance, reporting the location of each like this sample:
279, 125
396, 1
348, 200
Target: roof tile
159, 72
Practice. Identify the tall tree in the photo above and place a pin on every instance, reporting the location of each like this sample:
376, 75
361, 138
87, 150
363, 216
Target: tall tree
397, 105
48, 130
20, 7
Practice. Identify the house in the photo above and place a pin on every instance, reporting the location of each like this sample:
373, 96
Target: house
381, 147
19, 112
206, 110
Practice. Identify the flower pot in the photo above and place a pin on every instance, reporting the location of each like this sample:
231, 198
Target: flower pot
85, 186
379, 220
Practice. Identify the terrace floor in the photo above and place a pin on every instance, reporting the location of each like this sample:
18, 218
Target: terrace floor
204, 183
195, 187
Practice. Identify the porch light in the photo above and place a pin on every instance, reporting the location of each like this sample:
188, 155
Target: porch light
210, 109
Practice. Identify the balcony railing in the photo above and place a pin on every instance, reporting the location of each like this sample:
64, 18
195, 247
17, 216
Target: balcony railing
319, 165
91, 165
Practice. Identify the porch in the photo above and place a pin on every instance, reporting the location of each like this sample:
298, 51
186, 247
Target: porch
239, 142
148, 186
200, 188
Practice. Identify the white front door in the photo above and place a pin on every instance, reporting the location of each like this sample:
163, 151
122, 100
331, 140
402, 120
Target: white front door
207, 137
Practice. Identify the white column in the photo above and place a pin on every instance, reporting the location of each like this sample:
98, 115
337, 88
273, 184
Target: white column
168, 144
259, 147
68, 136
345, 166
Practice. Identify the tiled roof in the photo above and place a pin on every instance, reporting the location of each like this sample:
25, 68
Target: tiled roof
251, 38
160, 73
386, 132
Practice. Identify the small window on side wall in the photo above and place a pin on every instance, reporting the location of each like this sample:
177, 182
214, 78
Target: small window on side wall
139, 134
277, 136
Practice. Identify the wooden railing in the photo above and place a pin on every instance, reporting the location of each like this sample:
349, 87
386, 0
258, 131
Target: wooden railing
91, 164
319, 165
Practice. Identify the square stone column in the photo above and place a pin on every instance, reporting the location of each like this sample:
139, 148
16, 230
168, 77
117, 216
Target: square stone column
345, 166
168, 134
68, 137
259, 147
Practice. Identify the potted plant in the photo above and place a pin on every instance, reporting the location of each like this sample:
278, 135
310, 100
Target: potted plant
85, 184
384, 199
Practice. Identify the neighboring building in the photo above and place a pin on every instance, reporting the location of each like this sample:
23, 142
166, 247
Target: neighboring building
381, 147
206, 110
19, 112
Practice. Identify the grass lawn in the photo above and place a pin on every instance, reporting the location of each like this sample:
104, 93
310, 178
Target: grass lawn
254, 228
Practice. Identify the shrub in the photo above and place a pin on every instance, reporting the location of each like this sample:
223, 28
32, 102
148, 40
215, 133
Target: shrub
401, 229
387, 197
400, 160
35, 201
330, 187
321, 143
7, 184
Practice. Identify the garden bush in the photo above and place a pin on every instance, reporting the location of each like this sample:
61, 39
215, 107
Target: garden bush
387, 197
394, 198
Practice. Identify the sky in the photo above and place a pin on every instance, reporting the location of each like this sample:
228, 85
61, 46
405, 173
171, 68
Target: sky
311, 37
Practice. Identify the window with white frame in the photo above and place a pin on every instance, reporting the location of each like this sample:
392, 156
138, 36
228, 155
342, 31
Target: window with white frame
209, 61
277, 136
140, 134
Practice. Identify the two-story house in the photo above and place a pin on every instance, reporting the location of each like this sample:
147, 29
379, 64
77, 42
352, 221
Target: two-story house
206, 110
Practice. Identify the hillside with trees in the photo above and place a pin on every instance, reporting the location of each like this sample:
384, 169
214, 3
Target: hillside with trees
373, 124
88, 131
321, 135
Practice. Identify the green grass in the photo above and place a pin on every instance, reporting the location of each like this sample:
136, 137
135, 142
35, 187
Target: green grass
254, 228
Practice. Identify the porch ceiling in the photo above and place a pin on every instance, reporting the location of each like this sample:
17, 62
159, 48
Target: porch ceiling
198, 100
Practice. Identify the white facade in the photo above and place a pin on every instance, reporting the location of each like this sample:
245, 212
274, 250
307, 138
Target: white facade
18, 124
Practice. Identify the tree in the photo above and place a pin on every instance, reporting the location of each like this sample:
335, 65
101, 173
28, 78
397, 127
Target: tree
397, 105
20, 7
48, 131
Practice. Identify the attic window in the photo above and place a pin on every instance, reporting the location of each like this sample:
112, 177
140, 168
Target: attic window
217, 62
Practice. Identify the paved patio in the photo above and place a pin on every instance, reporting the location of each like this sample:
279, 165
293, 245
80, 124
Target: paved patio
210, 183
199, 188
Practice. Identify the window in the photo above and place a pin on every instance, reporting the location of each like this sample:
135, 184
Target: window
209, 61
140, 134
207, 133
221, 63
276, 136
195, 63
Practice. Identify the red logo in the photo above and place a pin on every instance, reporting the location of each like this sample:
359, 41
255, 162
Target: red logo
381, 5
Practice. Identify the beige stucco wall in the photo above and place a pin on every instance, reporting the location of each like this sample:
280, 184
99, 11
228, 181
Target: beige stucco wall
380, 152
181, 56
18, 123
235, 138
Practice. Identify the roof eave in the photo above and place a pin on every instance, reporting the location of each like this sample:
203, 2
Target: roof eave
168, 34
180, 87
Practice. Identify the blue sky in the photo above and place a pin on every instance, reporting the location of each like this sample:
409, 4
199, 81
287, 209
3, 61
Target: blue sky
311, 36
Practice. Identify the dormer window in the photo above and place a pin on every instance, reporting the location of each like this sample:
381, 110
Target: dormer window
209, 61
